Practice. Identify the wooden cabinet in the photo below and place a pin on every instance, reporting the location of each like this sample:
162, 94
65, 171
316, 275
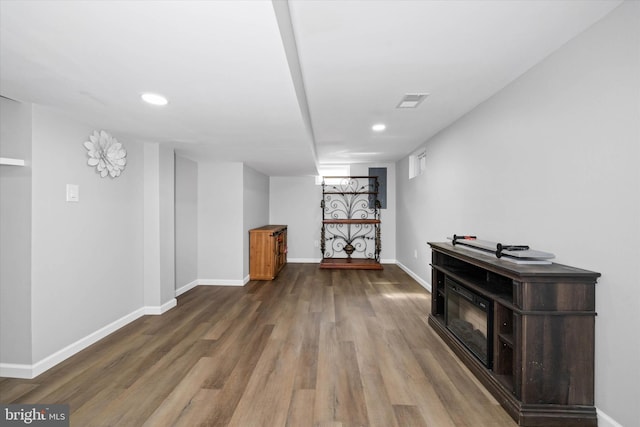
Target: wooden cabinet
267, 251
541, 333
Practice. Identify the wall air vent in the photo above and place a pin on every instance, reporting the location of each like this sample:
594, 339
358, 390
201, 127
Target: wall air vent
412, 100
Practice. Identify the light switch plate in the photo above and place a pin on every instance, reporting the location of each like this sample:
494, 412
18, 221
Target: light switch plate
73, 193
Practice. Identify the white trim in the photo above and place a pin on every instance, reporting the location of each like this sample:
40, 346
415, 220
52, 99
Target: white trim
157, 310
222, 282
388, 261
14, 370
32, 371
415, 277
6, 161
186, 288
304, 260
605, 420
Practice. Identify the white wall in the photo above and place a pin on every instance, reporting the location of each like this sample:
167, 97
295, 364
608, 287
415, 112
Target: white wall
417, 220
295, 202
87, 257
159, 225
79, 267
232, 199
552, 161
186, 228
255, 207
15, 229
387, 215
151, 225
167, 225
220, 223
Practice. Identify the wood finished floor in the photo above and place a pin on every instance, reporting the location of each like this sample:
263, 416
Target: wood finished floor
311, 348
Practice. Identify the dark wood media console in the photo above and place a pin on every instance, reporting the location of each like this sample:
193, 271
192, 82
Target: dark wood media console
542, 328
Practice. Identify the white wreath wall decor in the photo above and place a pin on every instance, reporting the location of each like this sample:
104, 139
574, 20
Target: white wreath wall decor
106, 154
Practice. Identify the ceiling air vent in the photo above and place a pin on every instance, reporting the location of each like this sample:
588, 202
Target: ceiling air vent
412, 100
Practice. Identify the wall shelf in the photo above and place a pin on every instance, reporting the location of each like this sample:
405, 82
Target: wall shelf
7, 161
350, 223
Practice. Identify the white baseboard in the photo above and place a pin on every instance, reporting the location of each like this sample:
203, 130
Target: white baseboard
157, 310
223, 282
32, 371
212, 282
186, 288
415, 277
15, 370
605, 420
12, 370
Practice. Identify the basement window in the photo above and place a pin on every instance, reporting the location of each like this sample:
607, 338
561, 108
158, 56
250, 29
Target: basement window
417, 163
332, 170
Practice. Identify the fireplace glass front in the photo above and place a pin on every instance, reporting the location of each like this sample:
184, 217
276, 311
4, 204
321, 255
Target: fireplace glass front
469, 317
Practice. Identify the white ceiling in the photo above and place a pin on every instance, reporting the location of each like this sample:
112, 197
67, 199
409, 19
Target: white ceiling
281, 86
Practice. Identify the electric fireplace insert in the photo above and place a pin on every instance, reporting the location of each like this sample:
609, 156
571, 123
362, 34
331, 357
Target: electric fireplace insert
469, 316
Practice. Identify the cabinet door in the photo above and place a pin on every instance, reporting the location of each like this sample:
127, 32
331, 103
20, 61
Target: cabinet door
262, 256
281, 249
437, 293
504, 345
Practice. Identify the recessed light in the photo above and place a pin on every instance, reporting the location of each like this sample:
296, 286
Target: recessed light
154, 99
378, 127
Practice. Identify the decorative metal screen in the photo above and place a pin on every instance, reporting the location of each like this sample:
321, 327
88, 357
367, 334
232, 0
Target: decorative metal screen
350, 221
